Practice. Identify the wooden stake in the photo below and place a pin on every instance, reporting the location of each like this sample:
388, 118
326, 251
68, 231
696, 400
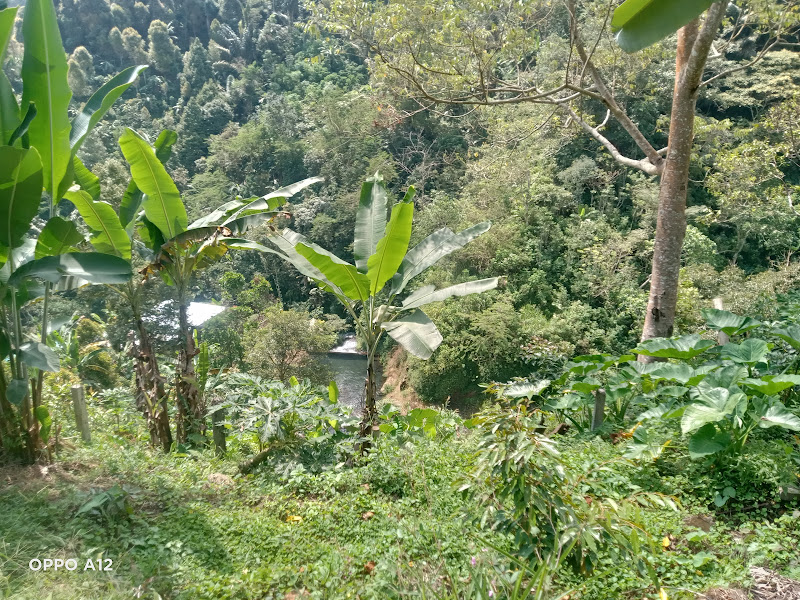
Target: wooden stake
218, 431
599, 408
81, 416
722, 338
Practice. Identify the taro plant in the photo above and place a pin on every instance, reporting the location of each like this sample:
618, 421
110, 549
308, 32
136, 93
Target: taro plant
369, 289
177, 249
38, 165
720, 402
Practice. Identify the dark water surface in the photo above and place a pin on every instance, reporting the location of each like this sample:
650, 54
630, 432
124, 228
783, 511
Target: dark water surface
351, 371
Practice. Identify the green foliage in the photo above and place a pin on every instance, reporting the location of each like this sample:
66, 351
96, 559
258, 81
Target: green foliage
382, 248
552, 514
280, 344
286, 416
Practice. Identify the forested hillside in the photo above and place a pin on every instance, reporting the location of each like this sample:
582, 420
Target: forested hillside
549, 250
261, 96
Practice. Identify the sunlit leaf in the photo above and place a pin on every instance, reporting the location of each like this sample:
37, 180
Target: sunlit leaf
44, 82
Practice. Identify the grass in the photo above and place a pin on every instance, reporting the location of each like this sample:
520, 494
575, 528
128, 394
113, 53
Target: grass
189, 527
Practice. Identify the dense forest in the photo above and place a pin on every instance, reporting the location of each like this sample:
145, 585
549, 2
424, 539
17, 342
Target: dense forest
260, 99
605, 243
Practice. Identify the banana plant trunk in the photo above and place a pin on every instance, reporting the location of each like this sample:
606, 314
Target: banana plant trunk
191, 419
151, 397
370, 418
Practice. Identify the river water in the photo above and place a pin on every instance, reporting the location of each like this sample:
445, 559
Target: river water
350, 367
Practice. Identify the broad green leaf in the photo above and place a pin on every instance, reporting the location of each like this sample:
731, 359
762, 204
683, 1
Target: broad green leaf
242, 224
39, 356
132, 198
370, 221
684, 348
671, 391
219, 214
97, 106
242, 244
667, 410
88, 181
429, 293
269, 203
108, 235
627, 10
91, 267
645, 445
161, 202
790, 335
345, 276
45, 422
727, 377
16, 391
44, 79
680, 372
9, 109
285, 241
7, 17
333, 392
416, 333
641, 23
392, 247
57, 237
769, 385
95, 109
587, 386
430, 250
712, 406
20, 193
749, 352
290, 190
779, 416
706, 441
526, 389
728, 322
150, 234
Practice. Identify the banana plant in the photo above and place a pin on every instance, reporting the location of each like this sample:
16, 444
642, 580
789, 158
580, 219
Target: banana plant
641, 23
370, 288
38, 153
180, 249
109, 235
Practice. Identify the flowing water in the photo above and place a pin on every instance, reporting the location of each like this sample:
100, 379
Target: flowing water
350, 366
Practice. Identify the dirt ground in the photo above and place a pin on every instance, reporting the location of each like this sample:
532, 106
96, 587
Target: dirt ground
767, 585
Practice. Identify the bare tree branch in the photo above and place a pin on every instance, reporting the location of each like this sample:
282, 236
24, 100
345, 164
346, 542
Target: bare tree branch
607, 97
643, 165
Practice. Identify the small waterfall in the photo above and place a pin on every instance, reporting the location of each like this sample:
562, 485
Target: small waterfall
348, 346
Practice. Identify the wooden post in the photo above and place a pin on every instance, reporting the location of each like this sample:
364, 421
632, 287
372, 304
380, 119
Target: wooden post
218, 431
599, 408
81, 416
722, 338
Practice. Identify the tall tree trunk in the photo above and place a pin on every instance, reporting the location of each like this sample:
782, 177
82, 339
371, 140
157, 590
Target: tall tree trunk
191, 415
693, 49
